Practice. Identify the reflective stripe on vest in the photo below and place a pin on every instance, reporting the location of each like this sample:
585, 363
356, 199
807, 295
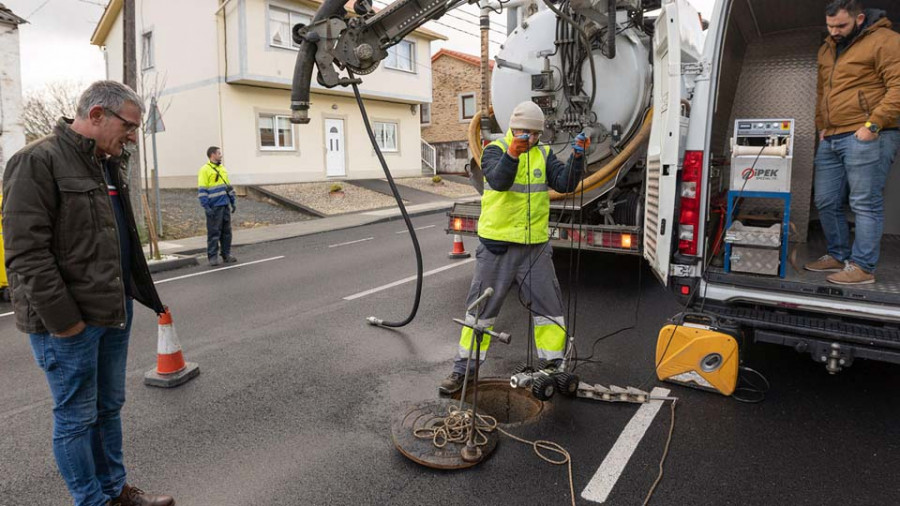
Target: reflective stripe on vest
520, 214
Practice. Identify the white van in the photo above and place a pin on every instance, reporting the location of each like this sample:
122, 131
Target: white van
758, 61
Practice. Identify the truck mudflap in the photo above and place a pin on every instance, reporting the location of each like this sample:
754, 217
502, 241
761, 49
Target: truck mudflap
463, 219
834, 342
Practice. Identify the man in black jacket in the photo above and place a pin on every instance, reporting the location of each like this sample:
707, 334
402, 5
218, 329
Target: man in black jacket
75, 264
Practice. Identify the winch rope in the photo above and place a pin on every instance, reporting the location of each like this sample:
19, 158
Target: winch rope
457, 426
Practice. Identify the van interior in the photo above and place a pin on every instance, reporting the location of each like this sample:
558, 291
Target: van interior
768, 71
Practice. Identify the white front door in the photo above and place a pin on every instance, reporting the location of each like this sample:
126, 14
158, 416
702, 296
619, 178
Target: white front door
334, 148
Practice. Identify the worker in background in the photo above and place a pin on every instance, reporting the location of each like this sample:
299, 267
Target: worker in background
75, 266
513, 232
857, 110
217, 198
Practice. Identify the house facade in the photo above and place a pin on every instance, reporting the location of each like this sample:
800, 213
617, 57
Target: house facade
221, 72
12, 132
456, 98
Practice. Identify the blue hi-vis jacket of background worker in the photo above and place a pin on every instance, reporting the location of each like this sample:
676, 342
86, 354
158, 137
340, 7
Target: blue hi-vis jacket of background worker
213, 189
516, 206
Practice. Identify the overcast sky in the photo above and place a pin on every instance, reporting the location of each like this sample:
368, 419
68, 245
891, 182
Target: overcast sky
55, 43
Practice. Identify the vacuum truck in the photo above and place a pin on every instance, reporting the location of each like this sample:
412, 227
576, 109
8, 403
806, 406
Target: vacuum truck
701, 161
588, 66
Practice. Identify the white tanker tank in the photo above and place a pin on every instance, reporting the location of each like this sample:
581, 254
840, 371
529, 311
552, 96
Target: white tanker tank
544, 59
586, 78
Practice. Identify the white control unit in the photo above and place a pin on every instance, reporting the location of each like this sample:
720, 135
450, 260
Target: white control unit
762, 152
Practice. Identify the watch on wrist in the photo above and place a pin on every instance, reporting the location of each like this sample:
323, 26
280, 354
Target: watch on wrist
874, 128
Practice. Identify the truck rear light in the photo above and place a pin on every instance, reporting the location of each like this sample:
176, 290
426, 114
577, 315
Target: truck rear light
685, 290
626, 241
457, 224
689, 217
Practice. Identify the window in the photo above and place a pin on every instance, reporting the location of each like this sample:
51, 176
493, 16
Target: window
275, 133
280, 23
402, 56
467, 106
386, 135
425, 114
147, 51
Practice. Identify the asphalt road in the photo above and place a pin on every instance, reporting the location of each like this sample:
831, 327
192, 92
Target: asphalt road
297, 393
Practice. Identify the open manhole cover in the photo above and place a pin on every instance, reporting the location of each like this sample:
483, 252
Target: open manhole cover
426, 415
510, 406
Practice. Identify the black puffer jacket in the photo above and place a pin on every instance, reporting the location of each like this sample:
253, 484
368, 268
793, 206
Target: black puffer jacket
60, 237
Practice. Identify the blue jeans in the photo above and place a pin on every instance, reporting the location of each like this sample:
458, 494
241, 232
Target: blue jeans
847, 166
218, 229
86, 374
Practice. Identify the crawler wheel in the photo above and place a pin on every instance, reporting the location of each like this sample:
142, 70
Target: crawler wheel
567, 384
523, 367
543, 388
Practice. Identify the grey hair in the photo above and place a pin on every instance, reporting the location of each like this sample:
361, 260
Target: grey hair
110, 95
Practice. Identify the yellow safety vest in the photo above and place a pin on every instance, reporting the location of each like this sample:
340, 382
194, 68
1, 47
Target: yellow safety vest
520, 214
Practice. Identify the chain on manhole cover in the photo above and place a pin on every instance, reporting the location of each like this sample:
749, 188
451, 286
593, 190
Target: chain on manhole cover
510, 406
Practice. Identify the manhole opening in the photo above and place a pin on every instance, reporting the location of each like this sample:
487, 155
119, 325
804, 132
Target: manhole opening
507, 404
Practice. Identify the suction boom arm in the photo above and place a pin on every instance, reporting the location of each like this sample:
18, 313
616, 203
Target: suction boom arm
335, 41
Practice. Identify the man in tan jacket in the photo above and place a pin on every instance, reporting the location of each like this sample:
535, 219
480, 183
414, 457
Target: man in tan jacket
857, 112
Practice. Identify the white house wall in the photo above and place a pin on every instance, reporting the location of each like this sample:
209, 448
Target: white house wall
201, 107
12, 135
182, 147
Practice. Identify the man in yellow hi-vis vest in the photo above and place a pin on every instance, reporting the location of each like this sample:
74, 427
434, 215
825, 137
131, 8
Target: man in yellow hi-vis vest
513, 233
217, 198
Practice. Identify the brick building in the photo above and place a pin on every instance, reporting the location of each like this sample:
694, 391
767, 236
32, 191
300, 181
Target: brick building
456, 97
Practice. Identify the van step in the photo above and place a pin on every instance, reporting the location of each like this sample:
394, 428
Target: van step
827, 328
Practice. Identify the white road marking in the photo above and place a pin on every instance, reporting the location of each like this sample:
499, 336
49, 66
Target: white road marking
350, 242
405, 231
407, 280
600, 486
176, 278
220, 269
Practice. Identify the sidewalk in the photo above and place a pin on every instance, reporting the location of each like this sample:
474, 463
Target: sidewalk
244, 237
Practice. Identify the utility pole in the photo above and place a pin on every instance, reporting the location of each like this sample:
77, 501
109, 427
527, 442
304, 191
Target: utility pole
129, 78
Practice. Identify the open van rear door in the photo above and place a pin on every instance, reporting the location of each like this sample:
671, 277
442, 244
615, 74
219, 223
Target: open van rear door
676, 53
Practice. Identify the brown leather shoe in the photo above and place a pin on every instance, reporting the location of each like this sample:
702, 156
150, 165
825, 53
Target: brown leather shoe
826, 263
852, 275
133, 496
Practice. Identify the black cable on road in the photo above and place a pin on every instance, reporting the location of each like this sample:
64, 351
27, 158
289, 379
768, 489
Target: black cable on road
409, 226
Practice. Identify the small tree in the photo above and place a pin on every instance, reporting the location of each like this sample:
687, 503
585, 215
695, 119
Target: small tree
42, 108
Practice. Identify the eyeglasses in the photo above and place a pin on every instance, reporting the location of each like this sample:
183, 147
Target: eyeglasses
131, 127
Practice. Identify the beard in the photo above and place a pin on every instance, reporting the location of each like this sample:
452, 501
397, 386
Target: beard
842, 40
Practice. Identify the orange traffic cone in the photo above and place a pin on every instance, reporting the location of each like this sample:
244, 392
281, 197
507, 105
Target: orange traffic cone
459, 249
171, 369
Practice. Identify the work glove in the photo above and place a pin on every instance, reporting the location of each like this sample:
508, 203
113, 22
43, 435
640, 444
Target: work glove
518, 146
581, 144
233, 208
208, 210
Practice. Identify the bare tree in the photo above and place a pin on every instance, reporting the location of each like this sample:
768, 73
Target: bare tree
44, 107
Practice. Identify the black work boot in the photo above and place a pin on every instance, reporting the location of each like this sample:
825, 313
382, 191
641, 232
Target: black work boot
228, 259
133, 496
452, 383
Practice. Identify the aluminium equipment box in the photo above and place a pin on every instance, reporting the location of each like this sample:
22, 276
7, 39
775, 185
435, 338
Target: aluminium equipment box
755, 250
